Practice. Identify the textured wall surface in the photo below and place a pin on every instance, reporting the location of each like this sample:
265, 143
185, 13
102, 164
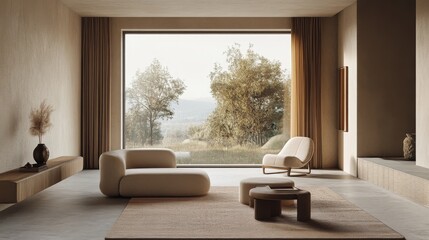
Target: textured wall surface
386, 75
347, 56
422, 81
381, 78
40, 59
329, 101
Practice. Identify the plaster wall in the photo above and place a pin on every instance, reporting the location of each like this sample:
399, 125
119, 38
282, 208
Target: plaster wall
347, 56
386, 76
40, 59
329, 102
422, 82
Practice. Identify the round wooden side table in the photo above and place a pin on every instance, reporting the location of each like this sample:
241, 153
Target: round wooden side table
267, 202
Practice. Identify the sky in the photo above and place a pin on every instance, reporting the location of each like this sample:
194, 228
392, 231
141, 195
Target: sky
191, 57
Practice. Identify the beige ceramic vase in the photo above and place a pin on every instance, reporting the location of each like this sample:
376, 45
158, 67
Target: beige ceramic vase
409, 146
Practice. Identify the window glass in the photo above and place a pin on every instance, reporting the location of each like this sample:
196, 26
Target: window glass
213, 98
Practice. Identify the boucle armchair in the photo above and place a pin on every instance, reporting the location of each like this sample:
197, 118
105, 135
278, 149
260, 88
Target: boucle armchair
296, 153
149, 172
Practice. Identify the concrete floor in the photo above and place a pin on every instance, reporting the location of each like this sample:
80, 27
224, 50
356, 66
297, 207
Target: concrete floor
75, 209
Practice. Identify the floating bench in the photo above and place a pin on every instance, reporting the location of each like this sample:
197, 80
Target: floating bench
16, 186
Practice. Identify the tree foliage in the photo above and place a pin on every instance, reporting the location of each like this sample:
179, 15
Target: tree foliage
150, 99
250, 94
137, 129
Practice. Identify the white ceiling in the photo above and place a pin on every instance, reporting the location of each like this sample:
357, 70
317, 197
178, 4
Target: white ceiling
207, 8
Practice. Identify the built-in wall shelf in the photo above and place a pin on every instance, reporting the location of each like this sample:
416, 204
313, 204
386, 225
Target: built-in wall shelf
16, 186
398, 176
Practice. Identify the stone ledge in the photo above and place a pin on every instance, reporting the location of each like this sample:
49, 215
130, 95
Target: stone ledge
398, 176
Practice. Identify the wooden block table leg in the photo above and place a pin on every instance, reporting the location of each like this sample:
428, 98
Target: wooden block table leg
304, 207
276, 208
265, 209
262, 209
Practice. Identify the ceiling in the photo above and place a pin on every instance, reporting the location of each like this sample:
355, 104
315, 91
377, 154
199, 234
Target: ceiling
207, 8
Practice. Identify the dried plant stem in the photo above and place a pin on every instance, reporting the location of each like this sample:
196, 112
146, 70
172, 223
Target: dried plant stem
40, 120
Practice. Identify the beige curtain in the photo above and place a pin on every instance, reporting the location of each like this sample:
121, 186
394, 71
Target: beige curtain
95, 135
305, 89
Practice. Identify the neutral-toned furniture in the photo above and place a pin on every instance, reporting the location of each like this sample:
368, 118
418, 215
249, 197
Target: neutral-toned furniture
296, 153
267, 202
149, 172
16, 186
249, 183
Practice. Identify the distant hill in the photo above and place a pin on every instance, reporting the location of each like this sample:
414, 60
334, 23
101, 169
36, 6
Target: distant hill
192, 110
188, 113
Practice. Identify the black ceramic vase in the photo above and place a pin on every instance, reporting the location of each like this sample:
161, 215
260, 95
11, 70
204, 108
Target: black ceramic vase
41, 154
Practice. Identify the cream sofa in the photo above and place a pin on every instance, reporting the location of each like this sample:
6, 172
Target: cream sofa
149, 173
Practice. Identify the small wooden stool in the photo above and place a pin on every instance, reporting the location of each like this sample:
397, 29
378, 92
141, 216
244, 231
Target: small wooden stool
267, 202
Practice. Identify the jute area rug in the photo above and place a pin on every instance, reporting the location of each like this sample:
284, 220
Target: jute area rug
219, 215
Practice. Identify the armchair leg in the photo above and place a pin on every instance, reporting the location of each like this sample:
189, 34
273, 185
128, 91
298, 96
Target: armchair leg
289, 171
299, 173
265, 172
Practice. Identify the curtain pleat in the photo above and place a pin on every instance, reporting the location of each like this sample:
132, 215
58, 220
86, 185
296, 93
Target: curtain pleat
95, 125
306, 85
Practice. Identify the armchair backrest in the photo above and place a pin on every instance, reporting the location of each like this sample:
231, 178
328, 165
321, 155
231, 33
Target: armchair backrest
299, 147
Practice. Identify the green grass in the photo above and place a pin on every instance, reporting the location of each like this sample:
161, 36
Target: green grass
240, 155
200, 152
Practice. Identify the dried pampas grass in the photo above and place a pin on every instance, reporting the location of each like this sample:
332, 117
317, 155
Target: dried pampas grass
40, 120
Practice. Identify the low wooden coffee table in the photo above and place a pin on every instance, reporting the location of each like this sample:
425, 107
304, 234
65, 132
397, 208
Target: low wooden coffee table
267, 202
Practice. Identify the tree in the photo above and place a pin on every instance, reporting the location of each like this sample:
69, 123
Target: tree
250, 96
137, 129
152, 93
198, 132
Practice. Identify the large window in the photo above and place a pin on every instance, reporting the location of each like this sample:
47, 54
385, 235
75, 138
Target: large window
214, 98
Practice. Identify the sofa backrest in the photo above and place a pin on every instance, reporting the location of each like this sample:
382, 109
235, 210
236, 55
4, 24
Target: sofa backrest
150, 158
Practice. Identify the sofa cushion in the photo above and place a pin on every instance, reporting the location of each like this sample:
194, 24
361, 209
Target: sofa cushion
164, 182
